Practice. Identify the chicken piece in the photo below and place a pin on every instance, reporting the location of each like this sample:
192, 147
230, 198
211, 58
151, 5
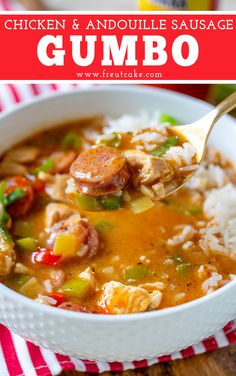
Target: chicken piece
121, 299
21, 207
56, 212
154, 289
153, 286
21, 268
57, 277
7, 253
100, 171
156, 297
55, 186
159, 190
90, 276
62, 160
9, 168
150, 168
22, 154
86, 235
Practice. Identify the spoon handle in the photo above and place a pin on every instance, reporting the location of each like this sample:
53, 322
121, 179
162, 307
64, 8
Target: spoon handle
198, 132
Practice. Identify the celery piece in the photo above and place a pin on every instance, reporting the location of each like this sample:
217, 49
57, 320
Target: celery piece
103, 227
4, 234
19, 280
162, 149
113, 140
184, 268
47, 165
76, 288
14, 196
65, 245
141, 204
4, 216
27, 244
22, 228
84, 202
136, 272
31, 288
110, 202
165, 118
71, 141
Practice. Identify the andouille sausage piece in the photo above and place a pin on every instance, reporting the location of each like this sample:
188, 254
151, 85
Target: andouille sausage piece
100, 171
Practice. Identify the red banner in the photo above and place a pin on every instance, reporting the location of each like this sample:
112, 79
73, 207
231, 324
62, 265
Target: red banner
140, 47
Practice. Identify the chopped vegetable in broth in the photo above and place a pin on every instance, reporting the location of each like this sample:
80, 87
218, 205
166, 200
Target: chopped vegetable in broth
86, 224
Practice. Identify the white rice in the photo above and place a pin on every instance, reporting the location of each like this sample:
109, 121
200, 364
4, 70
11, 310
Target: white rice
46, 300
187, 245
47, 285
130, 123
186, 234
220, 205
211, 283
208, 177
181, 156
147, 137
220, 208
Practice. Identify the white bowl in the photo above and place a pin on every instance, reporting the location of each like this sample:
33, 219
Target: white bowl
104, 337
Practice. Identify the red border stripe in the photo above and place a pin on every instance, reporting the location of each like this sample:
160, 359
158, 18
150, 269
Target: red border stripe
35, 89
164, 358
188, 352
14, 93
210, 344
38, 361
140, 364
91, 366
229, 327
53, 87
116, 367
65, 362
231, 335
9, 352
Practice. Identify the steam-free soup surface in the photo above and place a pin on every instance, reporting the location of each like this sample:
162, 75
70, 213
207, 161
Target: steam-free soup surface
125, 258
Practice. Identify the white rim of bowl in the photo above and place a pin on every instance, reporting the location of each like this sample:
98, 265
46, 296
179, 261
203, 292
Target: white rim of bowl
18, 298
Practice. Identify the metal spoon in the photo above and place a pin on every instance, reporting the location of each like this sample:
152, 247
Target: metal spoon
198, 132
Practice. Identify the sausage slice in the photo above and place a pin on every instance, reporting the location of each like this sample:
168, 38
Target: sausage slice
100, 171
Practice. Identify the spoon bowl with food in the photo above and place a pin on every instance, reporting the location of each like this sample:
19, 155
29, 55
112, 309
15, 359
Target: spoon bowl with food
135, 169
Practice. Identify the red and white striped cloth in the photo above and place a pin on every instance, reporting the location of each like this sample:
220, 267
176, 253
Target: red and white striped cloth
21, 358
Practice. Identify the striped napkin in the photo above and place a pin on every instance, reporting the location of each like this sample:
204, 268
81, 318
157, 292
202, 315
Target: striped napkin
21, 358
